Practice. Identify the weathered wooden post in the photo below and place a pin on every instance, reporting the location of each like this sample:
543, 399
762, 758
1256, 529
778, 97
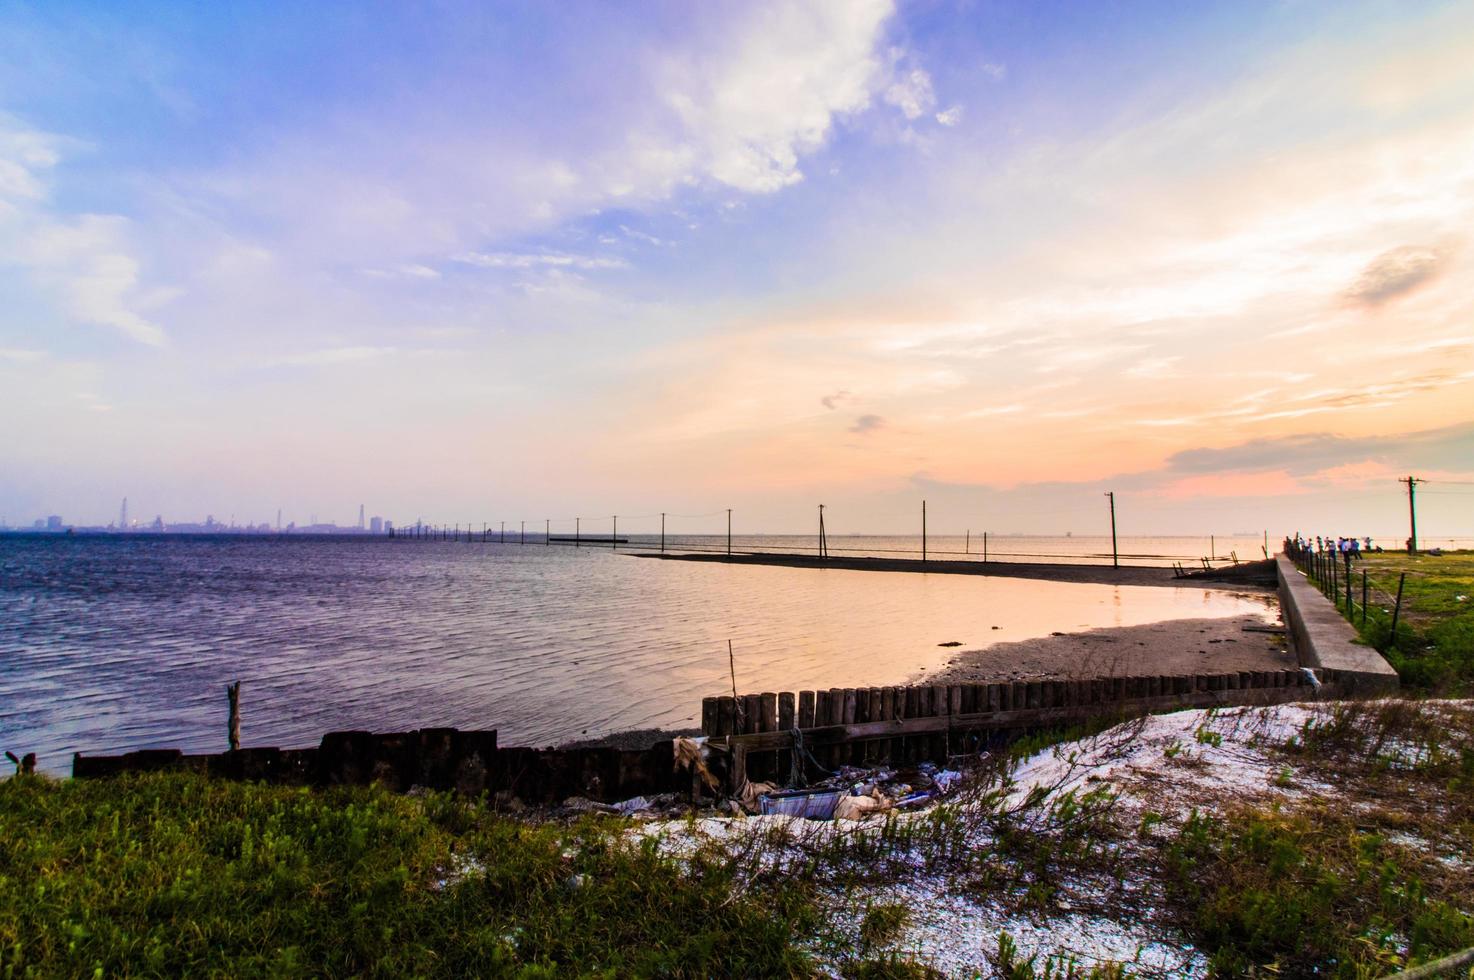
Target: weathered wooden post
1397, 607
233, 694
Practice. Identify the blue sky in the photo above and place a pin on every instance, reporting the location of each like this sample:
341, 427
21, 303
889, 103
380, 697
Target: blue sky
468, 261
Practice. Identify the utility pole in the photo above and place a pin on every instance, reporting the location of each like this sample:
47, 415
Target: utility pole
614, 534
729, 532
577, 531
1412, 513
823, 540
1115, 556
523, 538
548, 533
923, 530
662, 532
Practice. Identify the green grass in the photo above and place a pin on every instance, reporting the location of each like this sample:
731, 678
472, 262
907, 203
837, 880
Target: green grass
1433, 650
182, 875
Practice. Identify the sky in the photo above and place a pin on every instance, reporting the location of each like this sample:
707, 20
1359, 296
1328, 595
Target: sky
479, 262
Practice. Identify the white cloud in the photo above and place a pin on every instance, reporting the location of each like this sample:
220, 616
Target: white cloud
408, 271
536, 260
83, 261
912, 94
20, 355
749, 112
950, 116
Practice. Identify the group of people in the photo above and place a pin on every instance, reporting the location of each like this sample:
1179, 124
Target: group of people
1349, 549
1339, 546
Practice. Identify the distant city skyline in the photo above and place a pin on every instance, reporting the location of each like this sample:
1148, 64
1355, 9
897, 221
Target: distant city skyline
494, 261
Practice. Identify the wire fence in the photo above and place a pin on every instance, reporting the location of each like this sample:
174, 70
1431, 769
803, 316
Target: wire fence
1355, 595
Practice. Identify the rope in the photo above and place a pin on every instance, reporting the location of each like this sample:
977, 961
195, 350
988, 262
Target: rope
796, 775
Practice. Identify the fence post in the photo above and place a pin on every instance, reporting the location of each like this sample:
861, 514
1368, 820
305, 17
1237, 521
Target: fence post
1397, 607
1363, 597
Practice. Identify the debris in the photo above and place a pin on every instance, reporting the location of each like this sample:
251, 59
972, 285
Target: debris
946, 779
637, 805
951, 643
752, 793
857, 807
692, 753
808, 804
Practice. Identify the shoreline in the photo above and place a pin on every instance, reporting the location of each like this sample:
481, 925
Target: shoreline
1172, 646
1247, 576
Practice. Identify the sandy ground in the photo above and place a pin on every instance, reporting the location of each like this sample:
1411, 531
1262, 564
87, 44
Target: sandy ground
1175, 646
1171, 765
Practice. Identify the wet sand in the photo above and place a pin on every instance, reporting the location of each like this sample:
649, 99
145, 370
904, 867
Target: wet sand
1178, 646
1175, 646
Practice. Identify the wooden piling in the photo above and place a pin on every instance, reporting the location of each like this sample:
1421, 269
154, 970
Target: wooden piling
233, 731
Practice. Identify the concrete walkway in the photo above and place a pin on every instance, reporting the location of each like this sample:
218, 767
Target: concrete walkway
1323, 639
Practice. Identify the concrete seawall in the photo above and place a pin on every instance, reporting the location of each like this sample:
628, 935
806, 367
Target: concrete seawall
1323, 639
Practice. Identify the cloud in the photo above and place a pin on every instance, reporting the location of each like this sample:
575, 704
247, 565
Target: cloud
334, 355
867, 423
83, 261
642, 236
950, 116
1448, 448
912, 94
749, 112
831, 402
407, 271
536, 260
20, 355
1395, 273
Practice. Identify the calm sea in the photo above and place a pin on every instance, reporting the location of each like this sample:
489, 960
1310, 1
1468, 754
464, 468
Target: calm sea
126, 642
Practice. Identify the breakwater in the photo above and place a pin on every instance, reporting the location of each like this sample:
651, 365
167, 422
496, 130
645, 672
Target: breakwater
746, 737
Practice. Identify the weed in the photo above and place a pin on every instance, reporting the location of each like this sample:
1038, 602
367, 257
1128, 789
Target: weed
1009, 965
883, 923
1305, 893
1206, 736
178, 874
